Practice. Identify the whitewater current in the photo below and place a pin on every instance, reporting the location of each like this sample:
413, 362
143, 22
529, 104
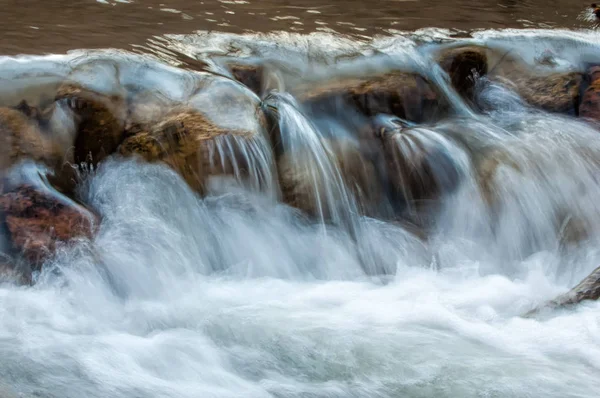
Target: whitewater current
235, 294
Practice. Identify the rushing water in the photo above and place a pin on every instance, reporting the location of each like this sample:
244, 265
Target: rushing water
235, 294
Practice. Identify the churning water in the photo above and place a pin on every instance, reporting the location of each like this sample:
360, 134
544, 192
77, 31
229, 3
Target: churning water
238, 295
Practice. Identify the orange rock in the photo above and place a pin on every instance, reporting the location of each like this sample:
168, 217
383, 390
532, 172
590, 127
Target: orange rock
590, 102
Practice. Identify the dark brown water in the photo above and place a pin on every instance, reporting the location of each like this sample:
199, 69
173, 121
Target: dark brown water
52, 26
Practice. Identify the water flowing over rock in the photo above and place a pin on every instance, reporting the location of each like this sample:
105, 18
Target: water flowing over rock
465, 66
296, 215
544, 88
38, 220
408, 96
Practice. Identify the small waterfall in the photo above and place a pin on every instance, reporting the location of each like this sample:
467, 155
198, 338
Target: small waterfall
272, 280
250, 158
307, 161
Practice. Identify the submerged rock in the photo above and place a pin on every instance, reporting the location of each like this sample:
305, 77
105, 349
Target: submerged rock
314, 188
38, 220
421, 169
406, 95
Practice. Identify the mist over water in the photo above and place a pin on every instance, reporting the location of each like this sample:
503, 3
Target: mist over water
235, 294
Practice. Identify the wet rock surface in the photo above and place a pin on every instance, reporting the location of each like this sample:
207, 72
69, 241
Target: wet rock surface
37, 221
100, 120
408, 96
590, 101
189, 142
464, 65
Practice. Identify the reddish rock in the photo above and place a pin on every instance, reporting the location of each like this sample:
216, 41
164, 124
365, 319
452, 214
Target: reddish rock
37, 221
590, 102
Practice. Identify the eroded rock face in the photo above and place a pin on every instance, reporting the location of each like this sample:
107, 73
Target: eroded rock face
37, 221
406, 95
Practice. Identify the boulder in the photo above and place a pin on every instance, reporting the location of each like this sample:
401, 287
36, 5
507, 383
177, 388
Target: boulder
464, 65
406, 95
316, 186
590, 101
38, 219
540, 86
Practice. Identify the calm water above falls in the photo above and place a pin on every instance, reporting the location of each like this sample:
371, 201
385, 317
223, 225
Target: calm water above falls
236, 294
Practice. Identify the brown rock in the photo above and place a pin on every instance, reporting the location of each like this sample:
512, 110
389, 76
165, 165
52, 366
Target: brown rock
420, 169
192, 145
249, 75
22, 138
101, 122
556, 92
305, 186
37, 221
405, 95
590, 102
464, 65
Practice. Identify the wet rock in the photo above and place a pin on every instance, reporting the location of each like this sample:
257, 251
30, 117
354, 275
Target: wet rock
544, 88
590, 101
421, 169
21, 137
406, 95
558, 93
249, 75
487, 164
587, 289
192, 145
310, 186
464, 65
38, 220
100, 122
